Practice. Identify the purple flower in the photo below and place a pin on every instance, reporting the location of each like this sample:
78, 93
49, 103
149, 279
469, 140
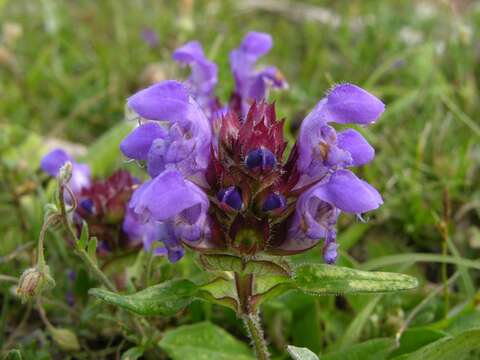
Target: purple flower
203, 77
320, 148
252, 84
224, 184
177, 206
318, 208
54, 160
179, 138
141, 232
150, 37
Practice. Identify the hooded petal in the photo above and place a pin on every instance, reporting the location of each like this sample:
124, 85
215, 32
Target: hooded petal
204, 72
167, 100
358, 147
348, 193
53, 161
166, 196
347, 104
138, 143
251, 84
256, 44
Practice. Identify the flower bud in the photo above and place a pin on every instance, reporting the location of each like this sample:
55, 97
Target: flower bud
273, 202
232, 197
33, 282
65, 172
260, 159
65, 339
88, 205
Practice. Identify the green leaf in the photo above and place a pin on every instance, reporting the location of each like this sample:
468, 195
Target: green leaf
415, 338
84, 236
203, 341
13, 355
301, 353
419, 257
133, 353
322, 279
220, 262
269, 287
104, 155
92, 248
220, 291
354, 330
376, 349
448, 347
164, 299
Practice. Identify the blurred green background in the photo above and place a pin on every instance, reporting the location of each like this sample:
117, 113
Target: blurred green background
66, 68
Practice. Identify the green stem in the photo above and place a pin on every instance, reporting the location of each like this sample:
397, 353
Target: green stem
41, 263
244, 286
99, 274
254, 328
101, 277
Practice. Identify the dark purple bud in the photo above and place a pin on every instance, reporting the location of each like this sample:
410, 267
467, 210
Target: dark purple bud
88, 206
71, 274
231, 196
70, 298
274, 201
262, 159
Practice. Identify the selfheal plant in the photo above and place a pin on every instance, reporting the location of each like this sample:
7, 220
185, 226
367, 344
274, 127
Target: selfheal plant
221, 180
222, 183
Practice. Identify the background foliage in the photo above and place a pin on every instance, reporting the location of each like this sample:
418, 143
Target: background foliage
66, 69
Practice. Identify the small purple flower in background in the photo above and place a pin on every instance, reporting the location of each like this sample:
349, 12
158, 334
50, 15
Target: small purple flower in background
102, 204
251, 84
150, 37
203, 78
220, 180
53, 161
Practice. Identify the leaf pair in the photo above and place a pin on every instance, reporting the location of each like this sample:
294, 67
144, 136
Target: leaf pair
317, 279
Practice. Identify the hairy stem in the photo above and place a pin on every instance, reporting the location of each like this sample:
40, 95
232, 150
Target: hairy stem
244, 285
41, 263
254, 329
92, 266
99, 274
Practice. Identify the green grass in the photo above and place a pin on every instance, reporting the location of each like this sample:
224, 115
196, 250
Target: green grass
77, 62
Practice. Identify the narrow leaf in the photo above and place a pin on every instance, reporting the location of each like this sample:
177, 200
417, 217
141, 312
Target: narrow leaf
164, 299
325, 279
301, 353
84, 236
133, 353
376, 349
448, 347
203, 341
415, 338
92, 248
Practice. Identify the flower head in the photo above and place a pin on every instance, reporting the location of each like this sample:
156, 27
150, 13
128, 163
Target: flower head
221, 181
102, 204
